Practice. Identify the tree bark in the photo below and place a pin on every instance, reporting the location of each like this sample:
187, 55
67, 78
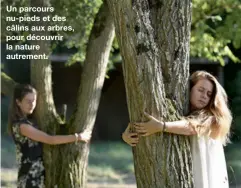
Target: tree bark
8, 84
154, 41
74, 165
41, 79
73, 158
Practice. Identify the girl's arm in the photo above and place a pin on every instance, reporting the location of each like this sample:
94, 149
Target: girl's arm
179, 127
153, 126
40, 136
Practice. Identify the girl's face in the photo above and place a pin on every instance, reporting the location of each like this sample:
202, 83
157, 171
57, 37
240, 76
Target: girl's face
28, 103
201, 94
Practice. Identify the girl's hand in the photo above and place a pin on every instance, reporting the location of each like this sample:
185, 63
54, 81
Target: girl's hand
85, 136
150, 127
130, 138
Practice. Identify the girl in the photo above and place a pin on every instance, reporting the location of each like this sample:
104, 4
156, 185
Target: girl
208, 124
28, 138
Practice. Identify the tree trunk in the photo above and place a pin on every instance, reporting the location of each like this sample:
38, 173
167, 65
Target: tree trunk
66, 164
41, 79
74, 165
154, 40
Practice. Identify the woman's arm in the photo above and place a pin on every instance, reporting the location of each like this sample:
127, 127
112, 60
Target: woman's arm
179, 127
153, 126
40, 136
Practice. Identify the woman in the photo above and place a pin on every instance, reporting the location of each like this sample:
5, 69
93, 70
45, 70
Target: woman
28, 138
208, 124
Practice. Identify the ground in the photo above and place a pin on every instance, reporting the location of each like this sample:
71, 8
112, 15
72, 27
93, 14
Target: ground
110, 165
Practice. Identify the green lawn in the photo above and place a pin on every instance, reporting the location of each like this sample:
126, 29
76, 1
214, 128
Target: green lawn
109, 162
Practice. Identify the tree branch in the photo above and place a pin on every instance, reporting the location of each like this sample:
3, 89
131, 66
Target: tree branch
94, 69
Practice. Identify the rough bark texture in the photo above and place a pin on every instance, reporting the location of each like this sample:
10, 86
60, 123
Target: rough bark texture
73, 171
66, 164
154, 36
45, 113
7, 84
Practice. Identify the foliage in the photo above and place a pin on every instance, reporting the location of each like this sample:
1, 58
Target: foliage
215, 25
79, 14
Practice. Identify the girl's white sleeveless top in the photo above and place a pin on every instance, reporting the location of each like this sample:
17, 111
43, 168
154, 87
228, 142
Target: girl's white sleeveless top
209, 165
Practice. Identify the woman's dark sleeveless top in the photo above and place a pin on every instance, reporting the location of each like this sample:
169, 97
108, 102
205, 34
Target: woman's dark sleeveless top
29, 158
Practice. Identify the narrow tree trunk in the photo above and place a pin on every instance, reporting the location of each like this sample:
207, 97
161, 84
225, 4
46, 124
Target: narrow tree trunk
41, 79
41, 73
75, 157
154, 40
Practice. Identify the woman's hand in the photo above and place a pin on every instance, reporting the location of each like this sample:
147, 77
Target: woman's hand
150, 127
130, 138
85, 136
153, 126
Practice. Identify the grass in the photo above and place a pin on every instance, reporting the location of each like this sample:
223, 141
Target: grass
233, 157
109, 163
8, 158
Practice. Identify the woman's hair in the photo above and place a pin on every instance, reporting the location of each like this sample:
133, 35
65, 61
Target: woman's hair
216, 116
15, 113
